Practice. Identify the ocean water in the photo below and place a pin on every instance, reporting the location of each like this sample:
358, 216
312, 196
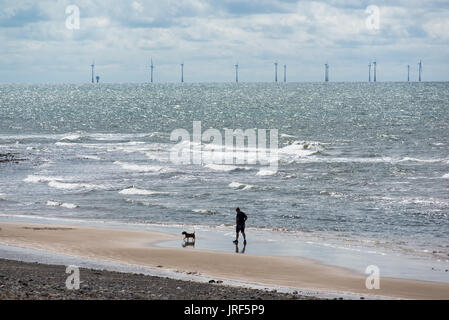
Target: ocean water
360, 163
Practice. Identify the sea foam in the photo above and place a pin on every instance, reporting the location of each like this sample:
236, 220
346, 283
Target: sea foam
137, 191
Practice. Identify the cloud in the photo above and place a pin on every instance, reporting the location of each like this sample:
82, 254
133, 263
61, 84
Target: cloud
210, 36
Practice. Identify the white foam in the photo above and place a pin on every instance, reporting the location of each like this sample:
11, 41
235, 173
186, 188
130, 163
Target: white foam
446, 176
204, 211
421, 160
36, 179
71, 186
62, 204
89, 157
240, 186
224, 167
59, 143
142, 168
266, 172
71, 137
284, 135
137, 191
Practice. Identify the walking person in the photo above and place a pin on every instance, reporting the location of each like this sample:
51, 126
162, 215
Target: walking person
240, 220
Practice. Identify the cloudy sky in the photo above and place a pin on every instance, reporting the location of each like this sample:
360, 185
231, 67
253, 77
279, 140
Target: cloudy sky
40, 41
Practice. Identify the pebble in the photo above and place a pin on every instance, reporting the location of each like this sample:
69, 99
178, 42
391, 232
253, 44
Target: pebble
48, 282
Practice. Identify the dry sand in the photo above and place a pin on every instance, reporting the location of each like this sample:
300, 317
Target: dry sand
135, 247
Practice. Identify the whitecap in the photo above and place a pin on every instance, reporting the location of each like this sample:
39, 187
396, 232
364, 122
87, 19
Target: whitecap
36, 179
71, 137
224, 167
284, 135
266, 172
62, 204
205, 211
89, 157
136, 191
240, 186
446, 176
142, 168
71, 186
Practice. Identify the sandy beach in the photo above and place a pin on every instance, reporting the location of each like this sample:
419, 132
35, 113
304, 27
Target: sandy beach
137, 247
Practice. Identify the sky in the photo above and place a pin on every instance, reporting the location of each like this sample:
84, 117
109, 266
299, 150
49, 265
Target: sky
40, 41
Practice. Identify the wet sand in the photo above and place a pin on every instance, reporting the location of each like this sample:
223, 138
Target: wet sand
136, 247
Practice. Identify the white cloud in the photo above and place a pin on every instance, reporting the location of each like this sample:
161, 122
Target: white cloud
213, 34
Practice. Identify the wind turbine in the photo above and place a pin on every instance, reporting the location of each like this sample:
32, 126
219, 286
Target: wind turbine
236, 72
93, 66
276, 72
420, 70
152, 68
182, 72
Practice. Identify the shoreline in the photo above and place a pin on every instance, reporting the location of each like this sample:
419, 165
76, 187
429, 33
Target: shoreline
137, 247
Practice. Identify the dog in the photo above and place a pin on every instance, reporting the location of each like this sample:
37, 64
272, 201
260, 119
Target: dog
189, 236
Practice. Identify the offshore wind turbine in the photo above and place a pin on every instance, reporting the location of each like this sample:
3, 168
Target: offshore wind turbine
375, 70
236, 72
369, 72
420, 70
93, 66
182, 72
151, 68
326, 72
408, 73
276, 72
285, 73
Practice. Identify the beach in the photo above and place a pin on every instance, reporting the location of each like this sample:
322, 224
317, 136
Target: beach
34, 281
137, 247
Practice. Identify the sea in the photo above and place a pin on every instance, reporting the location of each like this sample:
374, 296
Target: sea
362, 167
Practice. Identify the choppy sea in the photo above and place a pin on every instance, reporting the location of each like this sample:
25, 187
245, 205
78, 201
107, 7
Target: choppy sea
360, 164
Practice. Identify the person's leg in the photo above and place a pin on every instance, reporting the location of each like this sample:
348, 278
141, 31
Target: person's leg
243, 234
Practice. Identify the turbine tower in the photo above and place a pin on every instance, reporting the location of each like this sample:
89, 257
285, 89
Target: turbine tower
408, 73
236, 72
285, 73
326, 72
420, 70
369, 72
276, 72
375, 71
182, 72
93, 66
151, 68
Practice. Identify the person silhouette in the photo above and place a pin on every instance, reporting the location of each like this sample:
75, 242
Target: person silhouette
240, 220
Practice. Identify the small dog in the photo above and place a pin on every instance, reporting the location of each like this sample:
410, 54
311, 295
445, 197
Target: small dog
189, 236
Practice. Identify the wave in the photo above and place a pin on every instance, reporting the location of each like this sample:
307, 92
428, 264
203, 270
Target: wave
266, 172
205, 211
225, 167
138, 202
143, 168
300, 149
136, 191
72, 137
421, 160
36, 179
89, 157
62, 204
241, 186
72, 186
446, 176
